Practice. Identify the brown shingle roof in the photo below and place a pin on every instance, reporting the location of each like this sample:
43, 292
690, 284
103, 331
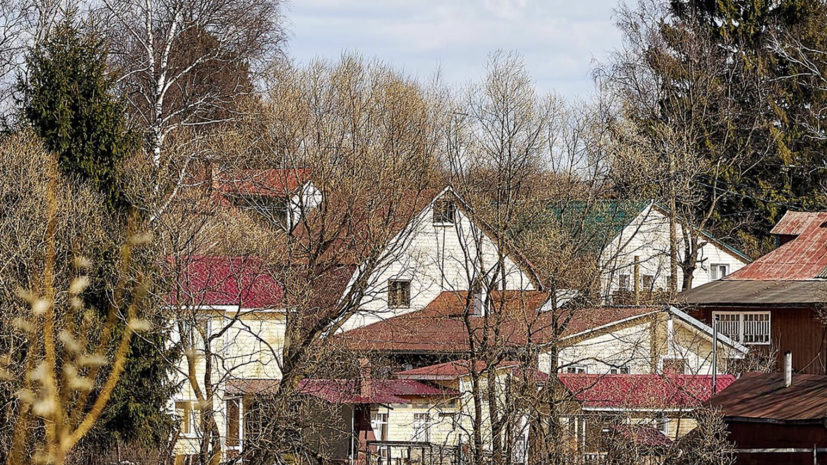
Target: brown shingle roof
762, 397
518, 315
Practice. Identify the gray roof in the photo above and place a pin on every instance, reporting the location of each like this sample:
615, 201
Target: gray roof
757, 293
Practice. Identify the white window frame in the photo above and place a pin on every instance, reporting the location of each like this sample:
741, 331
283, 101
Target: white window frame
240, 401
628, 285
422, 427
192, 411
618, 370
740, 322
664, 358
715, 267
392, 292
576, 370
448, 204
378, 420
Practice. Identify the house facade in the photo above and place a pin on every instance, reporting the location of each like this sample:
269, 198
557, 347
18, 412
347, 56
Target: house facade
443, 250
636, 257
775, 303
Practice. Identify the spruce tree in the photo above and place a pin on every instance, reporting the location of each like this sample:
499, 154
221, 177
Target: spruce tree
71, 104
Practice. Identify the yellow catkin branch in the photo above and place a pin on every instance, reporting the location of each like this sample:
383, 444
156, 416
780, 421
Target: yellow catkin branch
49, 337
112, 315
118, 365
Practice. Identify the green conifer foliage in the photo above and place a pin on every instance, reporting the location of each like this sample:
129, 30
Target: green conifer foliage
69, 101
71, 104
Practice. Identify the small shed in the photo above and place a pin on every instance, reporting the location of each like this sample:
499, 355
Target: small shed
771, 420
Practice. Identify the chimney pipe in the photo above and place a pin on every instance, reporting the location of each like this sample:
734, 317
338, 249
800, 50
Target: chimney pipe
788, 368
637, 280
364, 378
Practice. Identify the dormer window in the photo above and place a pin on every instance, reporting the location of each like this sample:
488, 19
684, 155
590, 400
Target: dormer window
273, 210
445, 212
399, 294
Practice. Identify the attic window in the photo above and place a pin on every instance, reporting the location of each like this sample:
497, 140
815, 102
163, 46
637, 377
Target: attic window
444, 212
399, 294
271, 209
718, 271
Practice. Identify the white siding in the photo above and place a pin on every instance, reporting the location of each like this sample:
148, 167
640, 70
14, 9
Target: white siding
435, 258
647, 237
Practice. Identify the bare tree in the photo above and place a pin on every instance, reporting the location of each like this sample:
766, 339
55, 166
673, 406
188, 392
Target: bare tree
188, 64
65, 359
680, 138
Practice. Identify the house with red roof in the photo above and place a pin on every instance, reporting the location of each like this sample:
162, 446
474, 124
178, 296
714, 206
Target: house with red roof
652, 410
278, 197
649, 410
776, 303
231, 309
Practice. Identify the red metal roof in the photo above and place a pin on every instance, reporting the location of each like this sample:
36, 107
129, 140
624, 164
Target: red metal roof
802, 258
264, 182
440, 327
642, 391
218, 280
763, 397
383, 391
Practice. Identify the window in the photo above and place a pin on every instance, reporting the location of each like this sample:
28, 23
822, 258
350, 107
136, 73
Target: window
718, 271
233, 423
647, 282
399, 294
271, 209
190, 414
621, 370
674, 366
379, 424
422, 427
444, 212
624, 283
189, 333
662, 424
744, 327
576, 369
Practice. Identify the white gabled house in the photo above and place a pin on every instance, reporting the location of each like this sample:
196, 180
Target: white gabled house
631, 239
444, 249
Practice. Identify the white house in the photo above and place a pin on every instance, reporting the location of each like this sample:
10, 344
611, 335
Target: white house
634, 241
441, 249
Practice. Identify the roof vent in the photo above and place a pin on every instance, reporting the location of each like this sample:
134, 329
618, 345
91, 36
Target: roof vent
788, 369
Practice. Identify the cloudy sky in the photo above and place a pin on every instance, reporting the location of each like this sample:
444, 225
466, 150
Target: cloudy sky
559, 39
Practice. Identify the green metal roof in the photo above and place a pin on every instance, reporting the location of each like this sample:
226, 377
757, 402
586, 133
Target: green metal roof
592, 225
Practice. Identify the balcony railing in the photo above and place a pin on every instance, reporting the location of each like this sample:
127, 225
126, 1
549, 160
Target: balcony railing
412, 453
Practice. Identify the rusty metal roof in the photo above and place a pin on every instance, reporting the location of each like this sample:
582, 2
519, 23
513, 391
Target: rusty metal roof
804, 257
757, 293
793, 223
762, 397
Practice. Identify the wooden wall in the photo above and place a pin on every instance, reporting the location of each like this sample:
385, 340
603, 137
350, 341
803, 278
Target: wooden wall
797, 329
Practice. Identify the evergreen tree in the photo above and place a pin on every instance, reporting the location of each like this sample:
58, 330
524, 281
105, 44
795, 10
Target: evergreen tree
69, 101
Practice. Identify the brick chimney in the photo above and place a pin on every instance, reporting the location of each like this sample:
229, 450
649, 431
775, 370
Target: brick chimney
364, 378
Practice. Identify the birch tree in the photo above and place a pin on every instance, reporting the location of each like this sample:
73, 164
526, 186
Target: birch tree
187, 64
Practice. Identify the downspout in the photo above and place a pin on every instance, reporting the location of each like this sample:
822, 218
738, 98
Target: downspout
352, 428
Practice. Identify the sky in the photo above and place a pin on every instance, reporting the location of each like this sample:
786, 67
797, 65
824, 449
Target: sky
559, 39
